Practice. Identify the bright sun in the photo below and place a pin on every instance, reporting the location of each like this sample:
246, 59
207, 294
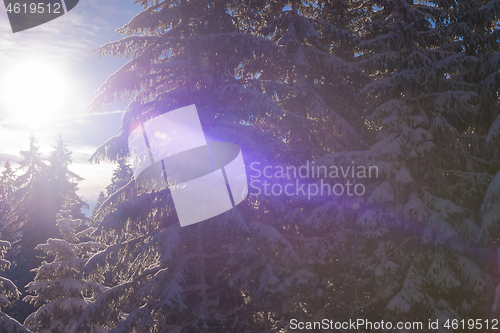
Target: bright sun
34, 92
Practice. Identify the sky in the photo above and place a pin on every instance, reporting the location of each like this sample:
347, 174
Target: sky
48, 75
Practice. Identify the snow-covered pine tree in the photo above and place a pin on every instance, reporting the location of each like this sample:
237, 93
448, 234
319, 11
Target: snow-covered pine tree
58, 291
8, 290
328, 129
40, 193
6, 189
432, 100
62, 182
100, 200
476, 25
269, 79
28, 205
122, 175
27, 223
121, 188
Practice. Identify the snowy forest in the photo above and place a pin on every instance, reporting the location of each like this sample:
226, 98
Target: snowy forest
409, 86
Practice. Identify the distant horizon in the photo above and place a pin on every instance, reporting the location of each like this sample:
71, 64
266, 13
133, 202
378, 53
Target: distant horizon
89, 188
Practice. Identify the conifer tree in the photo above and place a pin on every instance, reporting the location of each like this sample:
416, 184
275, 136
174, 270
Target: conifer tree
269, 80
122, 175
430, 105
27, 223
393, 84
100, 200
8, 290
121, 188
40, 191
63, 182
6, 189
58, 291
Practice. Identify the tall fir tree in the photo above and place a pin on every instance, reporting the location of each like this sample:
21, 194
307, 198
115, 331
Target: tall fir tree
122, 175
401, 86
59, 294
279, 83
430, 105
100, 200
121, 188
27, 222
40, 192
63, 182
8, 290
6, 189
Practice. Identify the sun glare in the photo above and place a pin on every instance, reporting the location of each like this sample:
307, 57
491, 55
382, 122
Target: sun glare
34, 92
